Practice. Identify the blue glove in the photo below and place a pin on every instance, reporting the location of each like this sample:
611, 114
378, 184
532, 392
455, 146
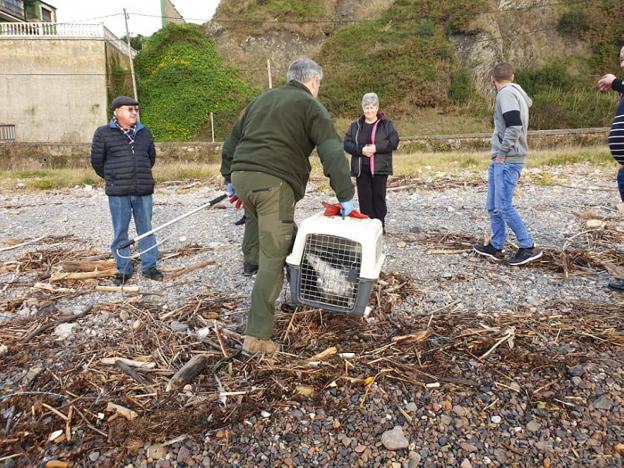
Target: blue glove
346, 207
229, 188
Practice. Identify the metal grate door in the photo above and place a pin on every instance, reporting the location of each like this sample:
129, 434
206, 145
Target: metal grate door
7, 132
330, 271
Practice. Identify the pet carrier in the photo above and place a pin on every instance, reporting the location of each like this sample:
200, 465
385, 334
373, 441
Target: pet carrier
335, 262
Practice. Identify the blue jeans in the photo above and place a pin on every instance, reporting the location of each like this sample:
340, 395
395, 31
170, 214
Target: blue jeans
620, 181
502, 181
122, 209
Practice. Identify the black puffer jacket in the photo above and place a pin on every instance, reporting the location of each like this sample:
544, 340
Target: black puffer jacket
125, 173
386, 141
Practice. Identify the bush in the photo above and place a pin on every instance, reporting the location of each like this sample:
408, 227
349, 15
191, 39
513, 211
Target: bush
181, 79
462, 88
405, 56
546, 78
573, 22
571, 108
563, 101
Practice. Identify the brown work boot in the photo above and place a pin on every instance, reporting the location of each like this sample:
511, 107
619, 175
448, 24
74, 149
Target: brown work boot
253, 345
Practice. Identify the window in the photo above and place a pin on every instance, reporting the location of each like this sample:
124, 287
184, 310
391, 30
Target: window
7, 132
46, 15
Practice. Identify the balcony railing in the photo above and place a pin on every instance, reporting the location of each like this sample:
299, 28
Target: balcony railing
14, 7
62, 31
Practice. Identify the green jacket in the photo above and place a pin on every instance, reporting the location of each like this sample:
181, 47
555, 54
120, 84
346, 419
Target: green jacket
277, 134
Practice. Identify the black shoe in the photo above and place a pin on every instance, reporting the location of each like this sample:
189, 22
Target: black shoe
153, 274
241, 221
249, 269
121, 278
489, 251
524, 256
288, 307
616, 284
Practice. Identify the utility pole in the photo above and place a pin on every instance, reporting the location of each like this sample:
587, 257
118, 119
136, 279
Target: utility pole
269, 72
162, 13
134, 88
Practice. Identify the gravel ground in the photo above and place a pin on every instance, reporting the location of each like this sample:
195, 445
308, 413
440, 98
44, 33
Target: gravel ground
449, 425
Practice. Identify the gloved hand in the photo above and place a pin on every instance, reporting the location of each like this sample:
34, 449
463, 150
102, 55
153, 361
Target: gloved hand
346, 207
229, 188
234, 200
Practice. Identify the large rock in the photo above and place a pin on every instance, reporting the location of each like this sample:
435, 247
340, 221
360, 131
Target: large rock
394, 439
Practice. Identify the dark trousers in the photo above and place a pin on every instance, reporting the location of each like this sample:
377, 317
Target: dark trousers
372, 195
620, 181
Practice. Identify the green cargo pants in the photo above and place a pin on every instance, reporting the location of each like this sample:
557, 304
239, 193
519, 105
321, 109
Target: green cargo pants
270, 208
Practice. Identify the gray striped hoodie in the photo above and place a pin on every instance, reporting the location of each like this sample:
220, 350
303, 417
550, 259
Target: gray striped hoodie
511, 122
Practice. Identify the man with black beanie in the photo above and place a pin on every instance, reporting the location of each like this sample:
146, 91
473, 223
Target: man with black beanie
123, 154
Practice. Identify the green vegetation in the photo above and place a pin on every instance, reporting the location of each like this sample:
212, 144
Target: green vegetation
302, 17
414, 164
561, 100
119, 81
405, 56
182, 79
401, 50
283, 9
600, 25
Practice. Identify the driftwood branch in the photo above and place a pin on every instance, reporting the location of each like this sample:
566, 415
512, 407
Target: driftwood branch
16, 246
121, 289
187, 372
82, 276
126, 369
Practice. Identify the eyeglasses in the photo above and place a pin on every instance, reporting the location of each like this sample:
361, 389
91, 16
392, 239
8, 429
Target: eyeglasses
131, 108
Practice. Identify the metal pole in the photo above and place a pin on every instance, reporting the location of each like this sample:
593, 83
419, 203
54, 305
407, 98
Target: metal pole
210, 204
269, 72
162, 13
212, 126
134, 88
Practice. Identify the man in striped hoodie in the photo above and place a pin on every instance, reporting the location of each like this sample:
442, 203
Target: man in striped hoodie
616, 138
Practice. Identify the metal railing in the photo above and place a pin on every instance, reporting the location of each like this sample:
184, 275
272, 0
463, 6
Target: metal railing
63, 31
7, 132
14, 7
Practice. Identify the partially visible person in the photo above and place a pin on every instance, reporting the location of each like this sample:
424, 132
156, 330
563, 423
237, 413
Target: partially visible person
509, 152
123, 154
616, 138
265, 164
370, 141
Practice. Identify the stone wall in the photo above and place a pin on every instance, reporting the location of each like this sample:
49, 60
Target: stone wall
20, 156
17, 155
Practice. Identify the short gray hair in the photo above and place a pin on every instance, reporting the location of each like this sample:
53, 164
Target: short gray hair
303, 70
370, 99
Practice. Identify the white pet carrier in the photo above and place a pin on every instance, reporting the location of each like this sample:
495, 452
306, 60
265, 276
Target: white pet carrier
335, 262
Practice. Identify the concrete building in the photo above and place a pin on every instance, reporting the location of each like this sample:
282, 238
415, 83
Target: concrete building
57, 80
21, 11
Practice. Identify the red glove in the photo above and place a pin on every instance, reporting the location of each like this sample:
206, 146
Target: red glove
234, 200
334, 210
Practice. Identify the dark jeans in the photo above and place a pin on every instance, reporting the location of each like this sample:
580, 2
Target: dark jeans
620, 181
372, 194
